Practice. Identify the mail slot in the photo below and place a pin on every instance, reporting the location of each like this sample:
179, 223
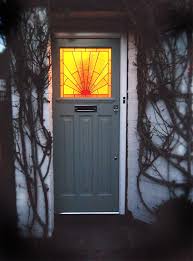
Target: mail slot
85, 108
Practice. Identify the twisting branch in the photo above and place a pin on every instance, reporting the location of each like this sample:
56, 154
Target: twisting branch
30, 56
165, 120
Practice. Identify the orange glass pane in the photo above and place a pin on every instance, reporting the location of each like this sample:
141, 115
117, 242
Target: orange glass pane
85, 72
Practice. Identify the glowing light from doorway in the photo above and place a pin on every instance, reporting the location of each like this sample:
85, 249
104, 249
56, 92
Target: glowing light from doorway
85, 72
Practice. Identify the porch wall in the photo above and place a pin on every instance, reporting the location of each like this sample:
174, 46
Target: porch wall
22, 201
24, 212
153, 194
133, 200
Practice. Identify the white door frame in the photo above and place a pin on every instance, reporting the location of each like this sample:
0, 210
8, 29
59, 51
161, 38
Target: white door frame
123, 122
123, 109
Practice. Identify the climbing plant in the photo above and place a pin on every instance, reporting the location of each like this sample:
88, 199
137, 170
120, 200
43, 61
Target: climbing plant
164, 43
165, 113
165, 95
30, 71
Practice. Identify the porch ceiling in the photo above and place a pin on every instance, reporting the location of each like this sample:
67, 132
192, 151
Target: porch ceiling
105, 16
87, 15
113, 15
77, 4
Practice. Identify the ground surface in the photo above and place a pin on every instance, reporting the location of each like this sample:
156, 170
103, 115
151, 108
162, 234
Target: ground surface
93, 238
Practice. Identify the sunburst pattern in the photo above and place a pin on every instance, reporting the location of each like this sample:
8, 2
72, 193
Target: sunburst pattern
85, 72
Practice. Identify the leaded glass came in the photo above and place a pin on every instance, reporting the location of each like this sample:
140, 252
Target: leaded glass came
85, 72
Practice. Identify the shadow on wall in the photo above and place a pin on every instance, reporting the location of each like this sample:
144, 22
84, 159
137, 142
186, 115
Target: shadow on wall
9, 14
7, 185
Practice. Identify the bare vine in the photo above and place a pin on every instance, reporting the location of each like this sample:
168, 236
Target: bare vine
30, 67
165, 93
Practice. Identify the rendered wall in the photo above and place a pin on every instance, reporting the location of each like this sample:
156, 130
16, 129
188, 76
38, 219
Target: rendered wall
133, 201
22, 201
24, 211
153, 193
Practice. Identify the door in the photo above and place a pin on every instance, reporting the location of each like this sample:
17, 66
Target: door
86, 90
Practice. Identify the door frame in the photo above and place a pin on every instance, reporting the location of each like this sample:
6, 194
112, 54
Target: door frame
123, 108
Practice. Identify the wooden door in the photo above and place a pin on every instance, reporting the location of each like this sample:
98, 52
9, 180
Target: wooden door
86, 82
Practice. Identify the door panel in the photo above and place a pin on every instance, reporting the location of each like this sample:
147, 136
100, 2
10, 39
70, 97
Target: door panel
85, 149
68, 182
86, 140
105, 155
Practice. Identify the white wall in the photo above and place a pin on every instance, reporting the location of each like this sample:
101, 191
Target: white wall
133, 201
22, 201
24, 212
153, 194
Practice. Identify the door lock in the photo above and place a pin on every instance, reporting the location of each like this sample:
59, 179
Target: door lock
116, 108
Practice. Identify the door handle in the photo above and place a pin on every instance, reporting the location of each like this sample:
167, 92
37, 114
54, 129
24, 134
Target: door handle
116, 108
115, 158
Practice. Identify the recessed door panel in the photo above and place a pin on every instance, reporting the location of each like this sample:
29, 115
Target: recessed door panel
85, 150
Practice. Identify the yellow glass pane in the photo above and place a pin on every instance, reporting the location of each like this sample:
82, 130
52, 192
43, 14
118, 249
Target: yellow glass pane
85, 72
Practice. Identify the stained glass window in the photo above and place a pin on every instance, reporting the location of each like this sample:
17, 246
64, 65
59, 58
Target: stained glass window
85, 72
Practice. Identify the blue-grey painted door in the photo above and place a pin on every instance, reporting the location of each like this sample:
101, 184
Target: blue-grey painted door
86, 140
